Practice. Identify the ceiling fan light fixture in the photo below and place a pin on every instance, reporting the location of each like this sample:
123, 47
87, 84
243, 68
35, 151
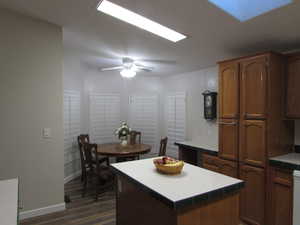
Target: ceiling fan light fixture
128, 73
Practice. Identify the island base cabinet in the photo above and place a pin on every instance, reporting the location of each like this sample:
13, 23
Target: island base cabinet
253, 195
134, 206
223, 211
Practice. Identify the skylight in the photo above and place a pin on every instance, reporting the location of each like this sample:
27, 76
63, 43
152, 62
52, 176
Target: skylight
247, 9
139, 21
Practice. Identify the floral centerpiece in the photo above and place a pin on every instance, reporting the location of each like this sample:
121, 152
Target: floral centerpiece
122, 133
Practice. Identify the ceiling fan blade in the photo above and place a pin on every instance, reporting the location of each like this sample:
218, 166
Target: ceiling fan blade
160, 61
144, 68
112, 68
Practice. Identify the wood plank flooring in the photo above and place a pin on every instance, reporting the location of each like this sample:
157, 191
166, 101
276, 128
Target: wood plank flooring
80, 211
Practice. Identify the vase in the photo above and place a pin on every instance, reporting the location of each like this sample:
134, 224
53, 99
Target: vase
124, 142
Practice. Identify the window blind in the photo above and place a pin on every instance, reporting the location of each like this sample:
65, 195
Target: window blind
105, 117
143, 117
71, 131
176, 120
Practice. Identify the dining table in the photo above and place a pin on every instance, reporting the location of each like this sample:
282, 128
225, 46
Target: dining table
123, 151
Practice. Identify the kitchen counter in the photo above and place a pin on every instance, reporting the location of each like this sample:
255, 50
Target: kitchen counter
287, 161
198, 146
195, 188
191, 151
9, 202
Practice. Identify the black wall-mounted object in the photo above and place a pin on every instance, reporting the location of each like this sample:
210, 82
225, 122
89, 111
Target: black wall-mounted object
210, 105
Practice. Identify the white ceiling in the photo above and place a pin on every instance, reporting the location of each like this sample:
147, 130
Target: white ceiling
213, 34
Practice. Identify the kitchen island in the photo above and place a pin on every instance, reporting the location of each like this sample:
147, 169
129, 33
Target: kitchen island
195, 197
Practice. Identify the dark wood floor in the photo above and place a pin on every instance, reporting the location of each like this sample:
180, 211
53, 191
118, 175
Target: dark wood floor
81, 211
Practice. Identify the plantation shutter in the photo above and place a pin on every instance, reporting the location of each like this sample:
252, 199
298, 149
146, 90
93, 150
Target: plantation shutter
176, 120
143, 117
71, 131
105, 117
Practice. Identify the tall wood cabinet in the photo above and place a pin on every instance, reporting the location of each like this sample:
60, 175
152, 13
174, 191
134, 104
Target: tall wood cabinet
251, 124
292, 85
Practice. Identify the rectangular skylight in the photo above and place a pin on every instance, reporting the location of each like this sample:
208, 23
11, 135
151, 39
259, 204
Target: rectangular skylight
246, 9
139, 21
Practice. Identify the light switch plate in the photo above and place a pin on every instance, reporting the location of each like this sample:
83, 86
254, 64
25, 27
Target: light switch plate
46, 133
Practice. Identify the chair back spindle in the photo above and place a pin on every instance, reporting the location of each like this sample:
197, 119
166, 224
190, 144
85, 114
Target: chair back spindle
163, 146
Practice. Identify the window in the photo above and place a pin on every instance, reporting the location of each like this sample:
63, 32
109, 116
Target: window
176, 120
71, 131
104, 117
143, 116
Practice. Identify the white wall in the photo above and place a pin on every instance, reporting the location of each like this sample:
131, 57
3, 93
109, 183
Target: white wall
194, 84
73, 79
31, 99
112, 82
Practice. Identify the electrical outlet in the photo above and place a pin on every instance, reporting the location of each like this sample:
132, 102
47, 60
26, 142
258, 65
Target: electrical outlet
46, 133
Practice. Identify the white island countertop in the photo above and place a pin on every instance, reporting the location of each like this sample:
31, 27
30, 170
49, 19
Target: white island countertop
9, 202
193, 185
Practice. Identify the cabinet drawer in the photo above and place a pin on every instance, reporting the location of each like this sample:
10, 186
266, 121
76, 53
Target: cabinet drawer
228, 168
210, 163
209, 159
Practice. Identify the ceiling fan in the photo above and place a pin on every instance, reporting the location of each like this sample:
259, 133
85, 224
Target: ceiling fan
129, 68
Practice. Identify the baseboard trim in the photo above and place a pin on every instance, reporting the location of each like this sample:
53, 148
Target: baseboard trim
72, 176
42, 211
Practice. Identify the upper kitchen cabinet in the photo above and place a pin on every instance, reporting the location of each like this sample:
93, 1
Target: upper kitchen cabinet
292, 92
254, 78
229, 90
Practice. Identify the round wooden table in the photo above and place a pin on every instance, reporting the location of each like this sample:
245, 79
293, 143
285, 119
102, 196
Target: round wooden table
117, 150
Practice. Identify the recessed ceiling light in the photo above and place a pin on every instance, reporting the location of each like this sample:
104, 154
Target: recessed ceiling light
139, 21
246, 9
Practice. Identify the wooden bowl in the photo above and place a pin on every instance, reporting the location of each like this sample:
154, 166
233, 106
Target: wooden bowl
170, 168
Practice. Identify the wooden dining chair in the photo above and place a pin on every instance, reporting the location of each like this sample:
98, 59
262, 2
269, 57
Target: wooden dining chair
82, 140
100, 176
133, 137
163, 146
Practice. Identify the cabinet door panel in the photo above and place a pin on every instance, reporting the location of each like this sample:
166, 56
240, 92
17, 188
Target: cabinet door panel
254, 88
228, 168
293, 93
253, 195
253, 142
228, 139
281, 202
229, 90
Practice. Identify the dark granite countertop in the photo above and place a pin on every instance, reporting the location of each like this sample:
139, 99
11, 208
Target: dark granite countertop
212, 150
287, 161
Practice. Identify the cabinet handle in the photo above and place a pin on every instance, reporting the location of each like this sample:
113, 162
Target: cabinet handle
228, 123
